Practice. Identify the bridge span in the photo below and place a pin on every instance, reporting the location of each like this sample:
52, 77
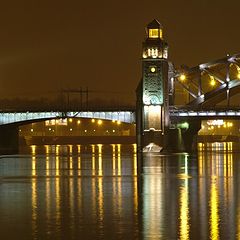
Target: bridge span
19, 118
183, 113
126, 116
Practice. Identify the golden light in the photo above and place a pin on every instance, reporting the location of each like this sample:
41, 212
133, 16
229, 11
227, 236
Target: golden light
78, 122
47, 148
154, 33
79, 148
70, 148
212, 81
118, 122
182, 77
214, 211
33, 148
31, 130
215, 122
99, 122
93, 120
70, 120
238, 71
57, 150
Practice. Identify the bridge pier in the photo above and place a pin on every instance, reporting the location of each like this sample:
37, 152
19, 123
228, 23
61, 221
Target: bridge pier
189, 135
181, 139
8, 139
173, 141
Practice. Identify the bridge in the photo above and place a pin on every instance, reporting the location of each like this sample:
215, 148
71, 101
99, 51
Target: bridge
202, 87
209, 88
10, 121
21, 118
166, 97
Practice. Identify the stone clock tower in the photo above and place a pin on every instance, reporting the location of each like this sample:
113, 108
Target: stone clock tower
152, 91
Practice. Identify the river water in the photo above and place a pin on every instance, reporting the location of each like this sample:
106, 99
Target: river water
101, 192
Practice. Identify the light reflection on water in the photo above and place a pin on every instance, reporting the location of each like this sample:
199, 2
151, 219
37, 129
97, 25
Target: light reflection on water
188, 197
96, 192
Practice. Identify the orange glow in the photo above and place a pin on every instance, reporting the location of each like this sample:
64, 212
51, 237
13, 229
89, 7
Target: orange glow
153, 33
214, 214
212, 81
33, 148
33, 165
57, 164
47, 149
182, 77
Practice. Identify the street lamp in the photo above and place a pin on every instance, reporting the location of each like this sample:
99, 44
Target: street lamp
182, 77
212, 81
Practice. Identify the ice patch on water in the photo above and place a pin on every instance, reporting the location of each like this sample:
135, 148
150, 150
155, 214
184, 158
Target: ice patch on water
152, 147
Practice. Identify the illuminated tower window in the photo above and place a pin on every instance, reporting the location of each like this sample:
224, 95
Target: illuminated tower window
160, 54
152, 52
165, 53
149, 52
155, 33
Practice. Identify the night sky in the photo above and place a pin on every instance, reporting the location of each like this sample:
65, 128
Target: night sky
48, 45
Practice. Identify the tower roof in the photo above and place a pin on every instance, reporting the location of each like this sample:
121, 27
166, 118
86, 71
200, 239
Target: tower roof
154, 24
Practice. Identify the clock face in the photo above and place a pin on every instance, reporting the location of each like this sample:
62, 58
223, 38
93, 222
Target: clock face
154, 99
153, 69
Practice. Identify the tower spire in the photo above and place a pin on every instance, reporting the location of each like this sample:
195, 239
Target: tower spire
154, 45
